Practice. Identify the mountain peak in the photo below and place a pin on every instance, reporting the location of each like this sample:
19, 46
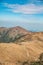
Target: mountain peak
10, 34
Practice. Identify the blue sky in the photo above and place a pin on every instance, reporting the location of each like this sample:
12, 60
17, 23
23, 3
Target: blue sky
24, 13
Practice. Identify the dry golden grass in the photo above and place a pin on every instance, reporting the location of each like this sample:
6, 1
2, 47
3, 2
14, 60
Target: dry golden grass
16, 54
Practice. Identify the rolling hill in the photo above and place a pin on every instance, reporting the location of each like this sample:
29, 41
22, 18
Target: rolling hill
16, 54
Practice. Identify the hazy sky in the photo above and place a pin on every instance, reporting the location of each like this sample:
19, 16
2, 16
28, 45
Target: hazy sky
25, 13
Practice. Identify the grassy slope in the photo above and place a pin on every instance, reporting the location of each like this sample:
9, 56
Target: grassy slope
14, 53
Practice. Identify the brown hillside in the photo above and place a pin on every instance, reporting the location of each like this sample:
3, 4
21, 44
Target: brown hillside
17, 54
19, 34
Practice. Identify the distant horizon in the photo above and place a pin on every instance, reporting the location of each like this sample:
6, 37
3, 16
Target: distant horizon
28, 28
25, 13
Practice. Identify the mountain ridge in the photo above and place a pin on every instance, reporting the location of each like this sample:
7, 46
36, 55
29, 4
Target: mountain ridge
19, 34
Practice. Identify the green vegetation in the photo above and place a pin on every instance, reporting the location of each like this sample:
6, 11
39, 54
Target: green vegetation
4, 37
40, 62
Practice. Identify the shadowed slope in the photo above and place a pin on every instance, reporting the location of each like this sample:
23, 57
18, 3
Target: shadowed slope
19, 34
